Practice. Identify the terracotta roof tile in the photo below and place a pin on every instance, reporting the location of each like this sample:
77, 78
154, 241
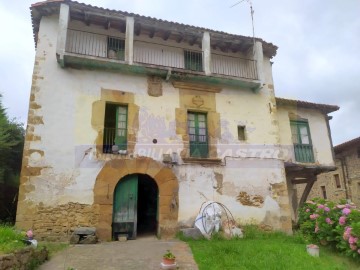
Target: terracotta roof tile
305, 104
348, 144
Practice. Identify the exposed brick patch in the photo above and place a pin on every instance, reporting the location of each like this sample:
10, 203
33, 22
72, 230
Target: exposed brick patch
246, 199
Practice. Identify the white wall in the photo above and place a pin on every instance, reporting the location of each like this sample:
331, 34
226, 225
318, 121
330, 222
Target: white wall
318, 132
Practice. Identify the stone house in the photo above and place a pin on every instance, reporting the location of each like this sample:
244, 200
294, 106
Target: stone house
134, 122
344, 182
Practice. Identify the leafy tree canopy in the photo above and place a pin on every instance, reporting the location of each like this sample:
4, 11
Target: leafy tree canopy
11, 147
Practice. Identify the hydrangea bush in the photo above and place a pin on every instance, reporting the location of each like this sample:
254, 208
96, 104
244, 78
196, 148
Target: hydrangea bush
330, 223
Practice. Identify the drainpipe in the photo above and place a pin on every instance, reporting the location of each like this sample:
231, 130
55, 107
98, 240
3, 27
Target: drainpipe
343, 165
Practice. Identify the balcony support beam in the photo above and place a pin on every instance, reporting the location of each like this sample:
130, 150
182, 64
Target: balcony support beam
206, 48
64, 17
129, 40
309, 185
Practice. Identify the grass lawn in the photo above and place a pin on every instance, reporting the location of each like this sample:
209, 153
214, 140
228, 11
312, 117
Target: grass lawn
259, 250
11, 240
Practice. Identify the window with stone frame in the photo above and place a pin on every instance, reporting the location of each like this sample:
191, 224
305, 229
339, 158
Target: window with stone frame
115, 127
198, 135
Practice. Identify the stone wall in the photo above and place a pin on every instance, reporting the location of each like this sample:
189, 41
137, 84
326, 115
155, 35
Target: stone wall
327, 180
57, 223
351, 173
23, 259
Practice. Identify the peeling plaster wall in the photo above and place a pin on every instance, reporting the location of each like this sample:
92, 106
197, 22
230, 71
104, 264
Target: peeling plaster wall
258, 179
318, 131
61, 162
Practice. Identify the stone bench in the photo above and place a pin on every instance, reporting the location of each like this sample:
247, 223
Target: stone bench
84, 235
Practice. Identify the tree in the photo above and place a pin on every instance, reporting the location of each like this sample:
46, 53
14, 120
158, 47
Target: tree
11, 147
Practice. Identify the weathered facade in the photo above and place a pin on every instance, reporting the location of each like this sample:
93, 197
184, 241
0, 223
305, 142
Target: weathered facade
344, 182
135, 120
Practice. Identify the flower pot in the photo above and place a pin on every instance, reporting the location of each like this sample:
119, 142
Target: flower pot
313, 250
167, 261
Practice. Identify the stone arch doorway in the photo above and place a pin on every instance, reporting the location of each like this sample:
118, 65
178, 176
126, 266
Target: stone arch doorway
115, 170
135, 206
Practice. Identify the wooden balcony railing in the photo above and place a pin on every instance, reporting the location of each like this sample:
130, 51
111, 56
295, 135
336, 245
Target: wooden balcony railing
304, 153
104, 46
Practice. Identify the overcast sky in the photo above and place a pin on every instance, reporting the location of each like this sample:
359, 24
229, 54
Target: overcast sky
318, 59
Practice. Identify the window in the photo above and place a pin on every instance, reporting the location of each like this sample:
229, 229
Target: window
241, 133
116, 48
337, 180
115, 128
197, 128
301, 139
193, 60
323, 190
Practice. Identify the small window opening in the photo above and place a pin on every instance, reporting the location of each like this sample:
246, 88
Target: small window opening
241, 133
337, 180
116, 48
323, 190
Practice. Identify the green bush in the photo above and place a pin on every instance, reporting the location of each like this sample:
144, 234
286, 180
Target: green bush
329, 223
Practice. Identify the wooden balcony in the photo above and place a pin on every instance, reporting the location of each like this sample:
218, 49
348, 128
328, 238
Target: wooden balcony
99, 51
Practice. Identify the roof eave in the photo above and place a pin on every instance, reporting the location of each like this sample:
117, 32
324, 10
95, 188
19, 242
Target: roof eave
268, 48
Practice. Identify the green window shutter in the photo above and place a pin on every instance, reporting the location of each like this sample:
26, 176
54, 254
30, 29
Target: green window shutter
198, 135
121, 127
301, 139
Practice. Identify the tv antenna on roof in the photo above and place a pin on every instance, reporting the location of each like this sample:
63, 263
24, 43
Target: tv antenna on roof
252, 16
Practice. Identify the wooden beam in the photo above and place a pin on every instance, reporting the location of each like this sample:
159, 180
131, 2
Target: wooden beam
307, 190
299, 181
192, 40
166, 35
152, 32
123, 27
137, 29
87, 18
234, 49
107, 24
179, 38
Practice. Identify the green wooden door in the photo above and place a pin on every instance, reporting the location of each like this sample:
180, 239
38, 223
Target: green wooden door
197, 127
301, 138
125, 207
121, 127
